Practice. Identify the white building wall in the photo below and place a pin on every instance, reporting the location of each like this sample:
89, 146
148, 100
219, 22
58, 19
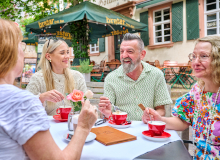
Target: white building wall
180, 50
103, 55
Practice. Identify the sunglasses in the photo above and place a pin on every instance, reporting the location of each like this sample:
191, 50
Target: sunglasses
55, 39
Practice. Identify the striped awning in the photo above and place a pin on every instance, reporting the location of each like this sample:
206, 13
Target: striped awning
147, 3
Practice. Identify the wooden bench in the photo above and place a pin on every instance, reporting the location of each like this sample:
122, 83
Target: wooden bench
98, 89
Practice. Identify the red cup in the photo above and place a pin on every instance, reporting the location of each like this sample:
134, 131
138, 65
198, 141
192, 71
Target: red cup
118, 118
64, 112
156, 127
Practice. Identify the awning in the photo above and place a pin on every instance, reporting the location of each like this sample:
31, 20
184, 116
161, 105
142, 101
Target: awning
30, 39
102, 22
147, 3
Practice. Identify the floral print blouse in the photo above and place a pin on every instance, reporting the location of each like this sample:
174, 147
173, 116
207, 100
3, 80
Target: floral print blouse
185, 109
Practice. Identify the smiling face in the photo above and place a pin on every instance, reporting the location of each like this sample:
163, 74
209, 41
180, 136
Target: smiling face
59, 58
202, 69
130, 55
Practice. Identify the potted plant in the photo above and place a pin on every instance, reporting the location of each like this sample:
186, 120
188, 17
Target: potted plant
85, 68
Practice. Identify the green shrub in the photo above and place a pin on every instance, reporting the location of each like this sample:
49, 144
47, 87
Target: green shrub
84, 66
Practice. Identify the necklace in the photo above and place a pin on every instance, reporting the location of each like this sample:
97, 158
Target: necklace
211, 115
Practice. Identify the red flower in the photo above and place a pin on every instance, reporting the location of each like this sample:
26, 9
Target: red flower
75, 96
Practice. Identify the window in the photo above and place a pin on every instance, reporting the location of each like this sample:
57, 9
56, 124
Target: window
212, 17
94, 48
161, 26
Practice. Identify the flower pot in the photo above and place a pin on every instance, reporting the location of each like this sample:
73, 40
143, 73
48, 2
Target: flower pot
87, 77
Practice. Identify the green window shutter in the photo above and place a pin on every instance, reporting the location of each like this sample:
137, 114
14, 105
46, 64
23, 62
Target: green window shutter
192, 17
144, 35
101, 44
177, 22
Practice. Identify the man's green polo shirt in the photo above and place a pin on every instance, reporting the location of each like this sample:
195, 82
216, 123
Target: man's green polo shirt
150, 89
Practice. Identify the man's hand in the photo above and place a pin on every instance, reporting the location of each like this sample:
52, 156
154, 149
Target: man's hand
105, 106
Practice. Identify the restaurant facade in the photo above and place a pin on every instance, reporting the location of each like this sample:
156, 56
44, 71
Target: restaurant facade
173, 27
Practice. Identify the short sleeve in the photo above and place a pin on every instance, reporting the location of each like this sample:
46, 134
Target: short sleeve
25, 118
184, 108
161, 96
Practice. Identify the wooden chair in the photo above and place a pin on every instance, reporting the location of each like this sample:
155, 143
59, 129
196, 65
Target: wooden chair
157, 64
92, 63
152, 63
115, 60
98, 74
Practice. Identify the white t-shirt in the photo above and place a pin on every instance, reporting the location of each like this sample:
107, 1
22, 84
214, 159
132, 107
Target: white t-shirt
21, 116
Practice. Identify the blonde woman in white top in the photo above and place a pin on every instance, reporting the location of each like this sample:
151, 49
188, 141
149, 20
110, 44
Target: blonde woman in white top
55, 79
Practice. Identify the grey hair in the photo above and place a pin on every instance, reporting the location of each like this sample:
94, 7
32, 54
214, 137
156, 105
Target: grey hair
129, 36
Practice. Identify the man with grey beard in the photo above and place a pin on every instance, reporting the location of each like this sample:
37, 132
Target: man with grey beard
134, 82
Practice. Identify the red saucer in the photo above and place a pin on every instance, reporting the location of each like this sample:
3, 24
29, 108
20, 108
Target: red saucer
58, 117
126, 123
148, 134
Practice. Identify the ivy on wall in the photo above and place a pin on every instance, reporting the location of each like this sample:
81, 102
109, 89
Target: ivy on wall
80, 39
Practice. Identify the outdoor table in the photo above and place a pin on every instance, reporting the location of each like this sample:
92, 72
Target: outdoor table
123, 151
178, 72
113, 65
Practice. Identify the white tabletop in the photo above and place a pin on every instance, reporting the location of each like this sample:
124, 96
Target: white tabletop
94, 150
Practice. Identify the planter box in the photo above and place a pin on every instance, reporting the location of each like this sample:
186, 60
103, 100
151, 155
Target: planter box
87, 77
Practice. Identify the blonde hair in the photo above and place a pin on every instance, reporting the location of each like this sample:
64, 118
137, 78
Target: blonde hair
46, 68
215, 56
10, 34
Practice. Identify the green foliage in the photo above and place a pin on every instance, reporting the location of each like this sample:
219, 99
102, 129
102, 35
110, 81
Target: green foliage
23, 22
80, 41
12, 9
84, 66
77, 106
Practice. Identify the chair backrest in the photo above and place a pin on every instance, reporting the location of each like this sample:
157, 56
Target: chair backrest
157, 64
115, 60
102, 65
92, 63
170, 63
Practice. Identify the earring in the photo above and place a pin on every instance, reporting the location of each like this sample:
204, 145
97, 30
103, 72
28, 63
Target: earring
50, 60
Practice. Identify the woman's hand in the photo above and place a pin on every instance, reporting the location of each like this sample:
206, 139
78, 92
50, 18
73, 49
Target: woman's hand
53, 96
151, 112
105, 106
88, 116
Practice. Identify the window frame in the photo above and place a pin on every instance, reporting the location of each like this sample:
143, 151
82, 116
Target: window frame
162, 22
152, 45
210, 12
96, 46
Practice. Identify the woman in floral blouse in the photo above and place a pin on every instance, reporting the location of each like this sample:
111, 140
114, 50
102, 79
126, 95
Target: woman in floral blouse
200, 108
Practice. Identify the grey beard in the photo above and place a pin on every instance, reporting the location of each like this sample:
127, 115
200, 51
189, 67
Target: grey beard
127, 68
